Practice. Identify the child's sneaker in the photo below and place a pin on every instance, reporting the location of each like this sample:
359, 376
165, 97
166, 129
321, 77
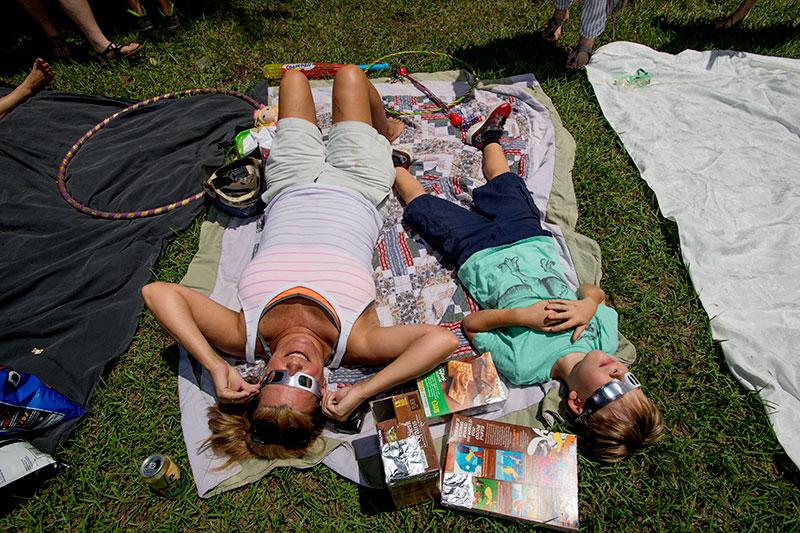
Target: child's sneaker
141, 22
169, 20
402, 158
489, 129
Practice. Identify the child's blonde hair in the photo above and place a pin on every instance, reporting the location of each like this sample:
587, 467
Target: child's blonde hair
622, 427
231, 430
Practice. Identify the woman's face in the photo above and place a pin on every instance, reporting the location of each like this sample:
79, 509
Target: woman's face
295, 352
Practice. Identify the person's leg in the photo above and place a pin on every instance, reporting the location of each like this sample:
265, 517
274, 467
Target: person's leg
456, 233
407, 186
552, 31
494, 161
355, 98
41, 74
593, 22
505, 199
81, 14
136, 7
736, 17
359, 152
295, 99
297, 154
37, 11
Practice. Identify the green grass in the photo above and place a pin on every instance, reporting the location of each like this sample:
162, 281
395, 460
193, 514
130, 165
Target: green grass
719, 467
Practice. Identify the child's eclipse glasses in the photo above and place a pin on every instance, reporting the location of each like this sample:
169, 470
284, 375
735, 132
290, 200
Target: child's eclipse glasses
613, 390
299, 380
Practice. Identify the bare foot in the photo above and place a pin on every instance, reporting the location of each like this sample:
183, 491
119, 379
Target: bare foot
40, 76
394, 128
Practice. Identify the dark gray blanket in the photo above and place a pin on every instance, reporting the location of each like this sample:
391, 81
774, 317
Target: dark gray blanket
69, 284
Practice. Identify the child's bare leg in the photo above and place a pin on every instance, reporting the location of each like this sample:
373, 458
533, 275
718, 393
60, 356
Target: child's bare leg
355, 98
295, 99
406, 185
494, 161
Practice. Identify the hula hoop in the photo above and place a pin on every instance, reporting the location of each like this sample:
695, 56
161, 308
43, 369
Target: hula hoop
447, 107
61, 177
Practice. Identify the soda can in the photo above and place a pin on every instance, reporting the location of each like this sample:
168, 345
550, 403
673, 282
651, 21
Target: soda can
162, 474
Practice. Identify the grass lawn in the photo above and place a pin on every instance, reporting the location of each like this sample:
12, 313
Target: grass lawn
719, 467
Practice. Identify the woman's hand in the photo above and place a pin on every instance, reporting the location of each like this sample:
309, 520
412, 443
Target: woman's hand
231, 387
570, 314
340, 405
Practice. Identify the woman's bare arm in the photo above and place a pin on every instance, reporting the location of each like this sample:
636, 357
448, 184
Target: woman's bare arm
197, 323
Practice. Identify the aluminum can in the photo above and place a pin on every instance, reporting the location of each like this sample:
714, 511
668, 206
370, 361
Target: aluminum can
162, 474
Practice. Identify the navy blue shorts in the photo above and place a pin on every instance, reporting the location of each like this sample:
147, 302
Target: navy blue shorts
504, 214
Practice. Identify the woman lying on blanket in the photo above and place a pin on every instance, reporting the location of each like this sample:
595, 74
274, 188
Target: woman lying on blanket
307, 295
509, 264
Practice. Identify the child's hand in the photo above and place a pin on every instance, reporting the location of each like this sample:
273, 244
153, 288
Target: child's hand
537, 316
231, 387
340, 405
569, 314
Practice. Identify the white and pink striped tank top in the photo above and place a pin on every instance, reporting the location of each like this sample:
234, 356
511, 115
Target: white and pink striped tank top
317, 237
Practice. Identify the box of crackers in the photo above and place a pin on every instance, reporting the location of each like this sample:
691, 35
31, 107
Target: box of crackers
410, 462
467, 386
513, 471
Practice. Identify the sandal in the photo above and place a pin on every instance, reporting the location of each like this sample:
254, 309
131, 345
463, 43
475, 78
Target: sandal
59, 47
572, 58
113, 52
551, 28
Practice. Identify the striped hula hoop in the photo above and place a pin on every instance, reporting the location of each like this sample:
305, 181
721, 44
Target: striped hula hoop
61, 177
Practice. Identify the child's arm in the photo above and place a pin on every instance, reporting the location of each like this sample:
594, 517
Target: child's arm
550, 316
410, 350
535, 316
575, 313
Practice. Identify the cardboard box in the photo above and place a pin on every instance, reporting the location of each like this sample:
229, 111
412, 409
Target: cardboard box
410, 463
512, 471
467, 386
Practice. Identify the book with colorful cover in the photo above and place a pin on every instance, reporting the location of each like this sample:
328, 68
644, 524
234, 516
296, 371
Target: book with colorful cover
467, 386
512, 471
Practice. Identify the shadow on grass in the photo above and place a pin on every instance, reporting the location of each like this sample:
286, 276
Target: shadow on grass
701, 35
522, 53
374, 501
172, 355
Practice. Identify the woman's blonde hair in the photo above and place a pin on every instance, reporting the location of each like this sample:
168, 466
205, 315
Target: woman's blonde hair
231, 430
619, 429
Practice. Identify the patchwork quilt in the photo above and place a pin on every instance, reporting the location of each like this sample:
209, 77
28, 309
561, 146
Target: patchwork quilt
413, 284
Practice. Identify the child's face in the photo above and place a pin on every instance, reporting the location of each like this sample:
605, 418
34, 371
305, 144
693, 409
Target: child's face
592, 372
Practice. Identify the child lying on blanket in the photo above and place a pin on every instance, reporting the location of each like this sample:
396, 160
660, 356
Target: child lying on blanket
307, 295
510, 266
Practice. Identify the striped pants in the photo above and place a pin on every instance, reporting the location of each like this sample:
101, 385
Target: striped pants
593, 15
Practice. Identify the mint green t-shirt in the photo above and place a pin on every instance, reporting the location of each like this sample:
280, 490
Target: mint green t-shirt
519, 275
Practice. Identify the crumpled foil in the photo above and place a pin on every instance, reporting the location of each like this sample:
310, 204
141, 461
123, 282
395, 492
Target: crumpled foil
403, 459
457, 490
252, 372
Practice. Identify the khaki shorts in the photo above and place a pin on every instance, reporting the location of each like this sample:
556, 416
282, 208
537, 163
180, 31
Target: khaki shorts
357, 157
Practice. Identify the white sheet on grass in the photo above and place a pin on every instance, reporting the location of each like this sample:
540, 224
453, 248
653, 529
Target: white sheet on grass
715, 135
